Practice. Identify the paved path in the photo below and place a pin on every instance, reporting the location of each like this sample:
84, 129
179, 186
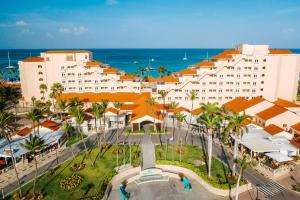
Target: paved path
172, 190
148, 150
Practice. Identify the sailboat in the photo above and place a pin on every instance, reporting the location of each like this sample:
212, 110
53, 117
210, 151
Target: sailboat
9, 66
184, 58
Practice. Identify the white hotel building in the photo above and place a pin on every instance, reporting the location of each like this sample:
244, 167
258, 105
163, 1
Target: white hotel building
247, 71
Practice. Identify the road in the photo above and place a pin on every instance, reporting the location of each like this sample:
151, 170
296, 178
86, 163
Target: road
272, 190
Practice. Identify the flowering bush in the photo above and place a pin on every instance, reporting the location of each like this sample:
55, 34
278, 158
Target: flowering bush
77, 167
71, 182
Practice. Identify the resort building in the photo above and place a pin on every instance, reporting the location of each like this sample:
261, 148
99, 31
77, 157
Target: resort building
247, 71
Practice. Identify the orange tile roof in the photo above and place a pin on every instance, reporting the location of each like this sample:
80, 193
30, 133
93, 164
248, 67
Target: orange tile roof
236, 105
111, 71
273, 129
271, 112
67, 51
222, 56
188, 72
34, 59
164, 79
254, 101
280, 51
126, 77
231, 51
296, 127
205, 64
94, 63
295, 142
197, 111
50, 125
112, 110
11, 84
247, 122
23, 132
285, 103
128, 106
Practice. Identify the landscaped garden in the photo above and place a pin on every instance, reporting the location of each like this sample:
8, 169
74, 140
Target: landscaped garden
86, 176
194, 158
75, 138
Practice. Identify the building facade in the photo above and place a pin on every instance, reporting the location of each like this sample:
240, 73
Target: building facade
247, 71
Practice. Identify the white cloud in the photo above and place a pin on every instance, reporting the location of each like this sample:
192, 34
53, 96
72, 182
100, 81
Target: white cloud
22, 23
111, 2
76, 30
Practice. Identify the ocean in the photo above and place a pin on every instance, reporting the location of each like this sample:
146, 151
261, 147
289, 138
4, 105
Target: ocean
128, 60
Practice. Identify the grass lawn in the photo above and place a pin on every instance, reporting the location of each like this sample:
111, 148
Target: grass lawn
220, 173
95, 178
74, 138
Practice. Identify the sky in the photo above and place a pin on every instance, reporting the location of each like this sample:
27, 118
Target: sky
148, 23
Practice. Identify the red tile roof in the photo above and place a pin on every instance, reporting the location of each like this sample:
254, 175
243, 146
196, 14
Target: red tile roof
23, 132
285, 103
188, 72
273, 129
112, 110
236, 105
94, 63
271, 112
197, 111
296, 127
280, 51
51, 125
34, 59
254, 101
205, 64
164, 79
111, 71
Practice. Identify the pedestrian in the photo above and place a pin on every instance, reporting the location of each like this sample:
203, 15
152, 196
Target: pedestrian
122, 190
185, 180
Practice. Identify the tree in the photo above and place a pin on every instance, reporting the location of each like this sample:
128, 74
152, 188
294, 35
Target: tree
33, 144
151, 102
33, 99
74, 103
79, 115
62, 104
56, 90
210, 122
192, 96
98, 112
163, 95
237, 127
161, 70
174, 106
43, 90
68, 130
7, 126
118, 106
210, 108
180, 119
10, 95
243, 165
35, 115
104, 105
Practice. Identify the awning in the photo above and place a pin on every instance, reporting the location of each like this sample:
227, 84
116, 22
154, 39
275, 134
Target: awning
279, 156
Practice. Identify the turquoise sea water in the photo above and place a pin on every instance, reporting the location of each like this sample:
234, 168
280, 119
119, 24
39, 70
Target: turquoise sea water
124, 59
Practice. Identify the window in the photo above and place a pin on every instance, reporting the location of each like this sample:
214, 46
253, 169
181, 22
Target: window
261, 89
40, 73
40, 79
47, 58
69, 58
265, 60
263, 67
62, 67
263, 75
80, 88
40, 66
262, 82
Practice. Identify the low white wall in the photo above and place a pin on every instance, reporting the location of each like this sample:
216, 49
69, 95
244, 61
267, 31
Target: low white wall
172, 171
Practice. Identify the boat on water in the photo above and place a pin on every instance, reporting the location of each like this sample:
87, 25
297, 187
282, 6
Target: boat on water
9, 66
136, 62
185, 57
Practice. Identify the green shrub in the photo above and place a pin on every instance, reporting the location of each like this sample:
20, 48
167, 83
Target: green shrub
71, 182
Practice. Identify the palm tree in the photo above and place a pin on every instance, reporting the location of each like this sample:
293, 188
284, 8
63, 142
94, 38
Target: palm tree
74, 103
104, 105
62, 104
243, 164
56, 90
174, 106
192, 96
163, 95
180, 118
68, 129
210, 122
237, 128
161, 70
33, 144
98, 114
79, 118
7, 126
10, 95
151, 102
118, 106
210, 108
35, 115
43, 90
33, 99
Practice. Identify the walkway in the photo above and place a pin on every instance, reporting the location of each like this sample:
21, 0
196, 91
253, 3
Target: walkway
148, 150
172, 190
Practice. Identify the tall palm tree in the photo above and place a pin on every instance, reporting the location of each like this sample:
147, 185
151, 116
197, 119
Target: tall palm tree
33, 144
161, 70
10, 95
163, 95
56, 90
33, 99
180, 118
243, 165
104, 105
35, 115
98, 114
7, 126
151, 102
62, 104
210, 108
174, 106
118, 106
79, 118
68, 130
237, 128
43, 90
210, 122
192, 96
74, 103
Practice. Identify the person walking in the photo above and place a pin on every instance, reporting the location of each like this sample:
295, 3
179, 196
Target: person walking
186, 182
122, 190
